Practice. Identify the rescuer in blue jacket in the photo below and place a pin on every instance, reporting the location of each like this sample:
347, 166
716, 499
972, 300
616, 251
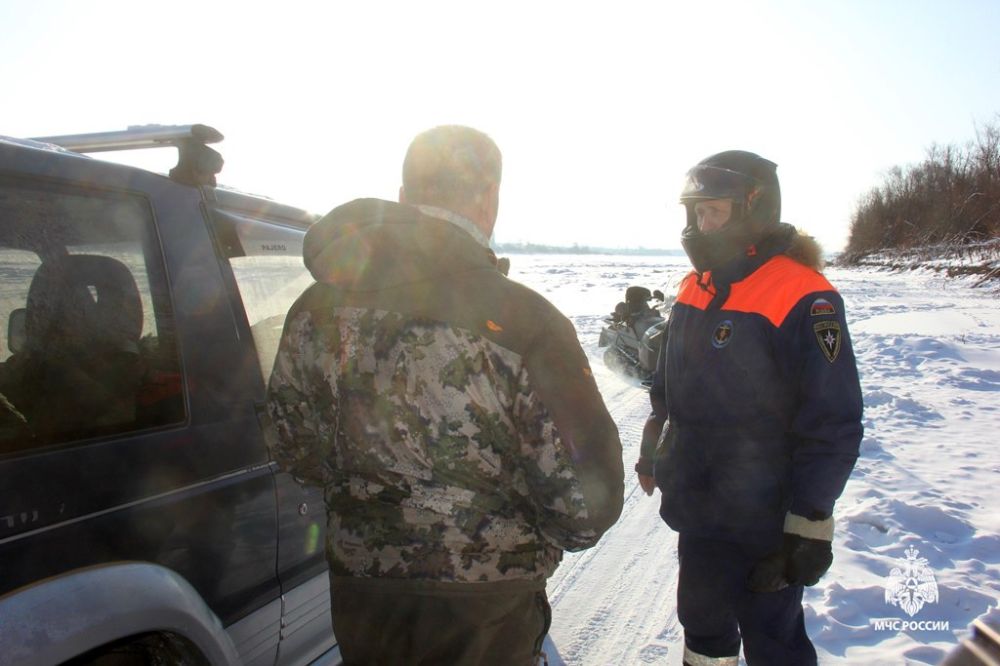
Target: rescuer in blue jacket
756, 418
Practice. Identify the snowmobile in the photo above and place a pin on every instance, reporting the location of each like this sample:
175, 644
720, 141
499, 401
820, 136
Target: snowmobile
632, 333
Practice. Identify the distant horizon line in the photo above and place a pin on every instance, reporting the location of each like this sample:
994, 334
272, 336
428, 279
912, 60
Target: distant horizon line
576, 248
541, 248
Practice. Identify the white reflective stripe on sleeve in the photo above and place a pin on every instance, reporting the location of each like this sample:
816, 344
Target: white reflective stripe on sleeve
692, 658
810, 529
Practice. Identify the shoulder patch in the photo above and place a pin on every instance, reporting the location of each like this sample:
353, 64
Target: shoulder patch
822, 307
828, 335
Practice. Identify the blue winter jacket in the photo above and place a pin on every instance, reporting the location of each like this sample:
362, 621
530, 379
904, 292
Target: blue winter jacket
758, 386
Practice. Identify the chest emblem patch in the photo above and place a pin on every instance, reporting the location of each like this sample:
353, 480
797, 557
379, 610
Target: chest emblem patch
822, 307
722, 335
829, 337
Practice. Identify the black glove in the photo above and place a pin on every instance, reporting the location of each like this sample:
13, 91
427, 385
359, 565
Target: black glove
801, 561
808, 561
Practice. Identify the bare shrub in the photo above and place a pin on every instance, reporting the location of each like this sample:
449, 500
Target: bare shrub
951, 198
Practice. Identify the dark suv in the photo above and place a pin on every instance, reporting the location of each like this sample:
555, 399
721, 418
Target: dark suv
141, 520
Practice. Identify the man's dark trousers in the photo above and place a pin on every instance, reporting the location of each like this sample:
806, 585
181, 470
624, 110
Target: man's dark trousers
716, 608
381, 622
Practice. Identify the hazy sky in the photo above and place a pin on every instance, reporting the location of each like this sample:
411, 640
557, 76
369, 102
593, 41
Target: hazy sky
599, 108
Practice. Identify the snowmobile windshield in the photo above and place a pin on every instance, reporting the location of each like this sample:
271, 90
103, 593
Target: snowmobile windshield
710, 182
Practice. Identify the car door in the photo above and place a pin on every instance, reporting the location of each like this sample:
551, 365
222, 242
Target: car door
127, 431
262, 245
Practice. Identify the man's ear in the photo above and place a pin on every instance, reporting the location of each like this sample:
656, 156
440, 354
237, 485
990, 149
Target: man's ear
402, 195
492, 204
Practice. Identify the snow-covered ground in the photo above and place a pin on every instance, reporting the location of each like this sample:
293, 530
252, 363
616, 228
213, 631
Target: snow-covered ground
923, 497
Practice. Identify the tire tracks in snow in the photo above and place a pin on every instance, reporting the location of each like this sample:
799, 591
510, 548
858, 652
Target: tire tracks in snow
614, 603
623, 410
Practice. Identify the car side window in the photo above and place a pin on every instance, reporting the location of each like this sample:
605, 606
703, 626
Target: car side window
266, 258
88, 344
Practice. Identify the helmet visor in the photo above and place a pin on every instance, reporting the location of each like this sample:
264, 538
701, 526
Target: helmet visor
710, 182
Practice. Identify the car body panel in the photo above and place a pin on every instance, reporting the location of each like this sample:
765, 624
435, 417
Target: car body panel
197, 498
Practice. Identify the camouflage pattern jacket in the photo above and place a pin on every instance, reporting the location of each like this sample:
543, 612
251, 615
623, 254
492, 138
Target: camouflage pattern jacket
448, 412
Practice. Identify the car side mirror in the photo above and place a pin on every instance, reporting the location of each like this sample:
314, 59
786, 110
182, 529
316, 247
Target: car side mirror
16, 336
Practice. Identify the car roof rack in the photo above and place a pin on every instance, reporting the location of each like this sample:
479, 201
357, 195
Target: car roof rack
197, 164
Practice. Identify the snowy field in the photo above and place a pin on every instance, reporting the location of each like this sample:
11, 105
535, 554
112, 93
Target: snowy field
923, 498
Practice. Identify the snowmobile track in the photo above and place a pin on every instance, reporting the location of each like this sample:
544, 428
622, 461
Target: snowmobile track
590, 624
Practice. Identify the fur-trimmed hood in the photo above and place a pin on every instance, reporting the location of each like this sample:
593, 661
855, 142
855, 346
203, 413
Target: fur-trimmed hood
784, 240
806, 250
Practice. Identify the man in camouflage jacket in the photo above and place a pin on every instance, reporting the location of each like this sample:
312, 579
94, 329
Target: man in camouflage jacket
449, 413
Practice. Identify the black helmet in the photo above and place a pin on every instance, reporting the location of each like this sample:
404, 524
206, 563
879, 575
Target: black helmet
751, 183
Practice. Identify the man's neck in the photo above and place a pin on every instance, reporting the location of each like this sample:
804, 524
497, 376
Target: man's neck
459, 221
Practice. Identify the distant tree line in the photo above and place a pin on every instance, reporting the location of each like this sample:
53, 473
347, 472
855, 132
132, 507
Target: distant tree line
535, 248
951, 198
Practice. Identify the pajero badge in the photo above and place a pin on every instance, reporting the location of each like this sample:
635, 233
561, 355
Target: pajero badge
828, 335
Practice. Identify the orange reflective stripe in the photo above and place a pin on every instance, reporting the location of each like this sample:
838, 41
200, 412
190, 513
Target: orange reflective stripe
692, 294
771, 291
775, 288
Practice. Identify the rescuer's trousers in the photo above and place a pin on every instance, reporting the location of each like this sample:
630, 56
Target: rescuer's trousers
717, 610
